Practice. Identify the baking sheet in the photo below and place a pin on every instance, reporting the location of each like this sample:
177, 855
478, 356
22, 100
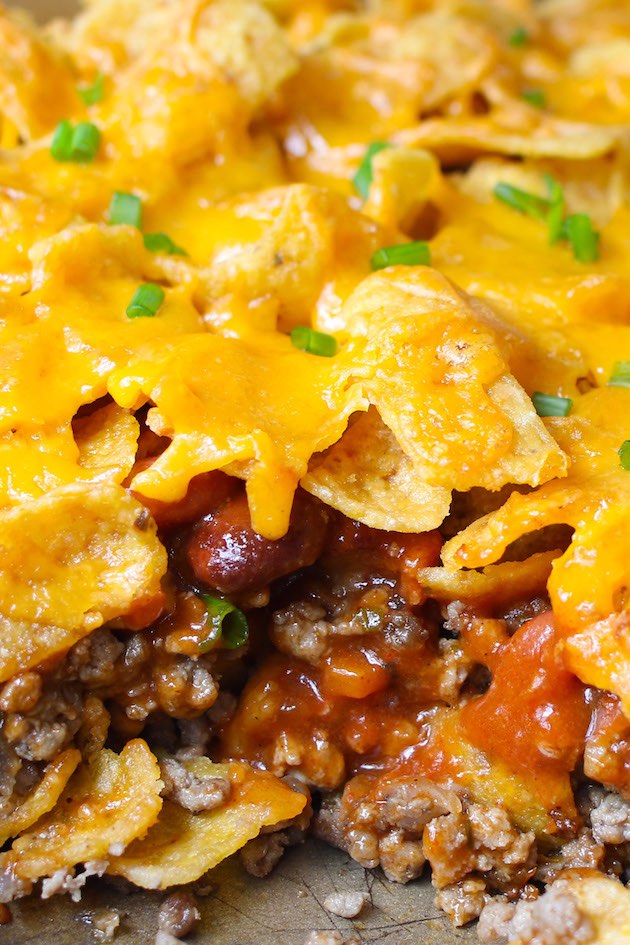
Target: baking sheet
278, 910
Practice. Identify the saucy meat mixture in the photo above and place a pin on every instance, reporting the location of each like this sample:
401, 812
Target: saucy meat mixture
315, 436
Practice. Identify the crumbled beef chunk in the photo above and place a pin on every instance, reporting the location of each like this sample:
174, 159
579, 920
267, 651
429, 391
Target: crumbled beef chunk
553, 919
301, 630
22, 693
463, 901
348, 905
581, 852
39, 735
94, 659
103, 922
178, 914
610, 820
65, 880
191, 792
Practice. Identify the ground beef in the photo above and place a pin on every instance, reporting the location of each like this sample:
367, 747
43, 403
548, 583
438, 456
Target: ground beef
93, 660
348, 905
178, 914
553, 919
463, 901
581, 852
103, 922
65, 880
263, 853
301, 630
21, 693
479, 839
191, 792
610, 820
41, 733
13, 887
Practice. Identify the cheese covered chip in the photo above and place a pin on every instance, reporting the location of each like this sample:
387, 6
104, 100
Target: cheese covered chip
43, 797
105, 805
69, 562
183, 846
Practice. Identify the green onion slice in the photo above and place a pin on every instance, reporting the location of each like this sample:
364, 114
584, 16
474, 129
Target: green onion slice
125, 208
226, 624
547, 405
620, 376
521, 200
146, 301
86, 140
315, 342
92, 94
555, 216
624, 454
405, 254
583, 238
61, 145
535, 97
519, 37
162, 243
363, 177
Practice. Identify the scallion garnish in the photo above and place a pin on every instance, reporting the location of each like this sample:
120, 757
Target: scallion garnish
79, 144
535, 97
61, 144
519, 37
125, 208
555, 215
86, 140
583, 238
146, 301
162, 243
521, 200
363, 177
620, 376
92, 94
227, 625
624, 454
404, 254
547, 405
315, 342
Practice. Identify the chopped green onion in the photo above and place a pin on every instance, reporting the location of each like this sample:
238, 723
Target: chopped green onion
519, 37
226, 624
583, 238
624, 454
555, 216
162, 243
535, 97
61, 145
125, 208
315, 342
521, 200
91, 94
86, 140
363, 177
620, 376
146, 301
549, 406
405, 254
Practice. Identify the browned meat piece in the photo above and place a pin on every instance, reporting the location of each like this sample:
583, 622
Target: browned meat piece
193, 793
226, 553
553, 919
347, 905
263, 853
463, 901
178, 914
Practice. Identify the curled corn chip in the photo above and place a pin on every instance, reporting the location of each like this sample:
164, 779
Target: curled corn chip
70, 561
43, 797
107, 803
368, 477
107, 440
182, 846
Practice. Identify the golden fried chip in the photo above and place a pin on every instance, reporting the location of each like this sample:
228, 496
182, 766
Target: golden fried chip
107, 441
70, 561
106, 804
183, 846
368, 477
43, 797
496, 584
403, 179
